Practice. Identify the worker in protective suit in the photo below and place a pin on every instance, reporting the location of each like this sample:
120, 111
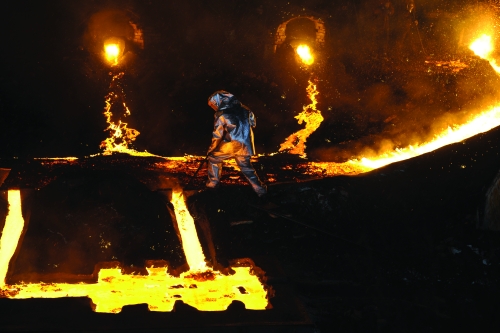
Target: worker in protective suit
232, 138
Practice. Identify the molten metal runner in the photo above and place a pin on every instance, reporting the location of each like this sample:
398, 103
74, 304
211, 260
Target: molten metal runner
200, 287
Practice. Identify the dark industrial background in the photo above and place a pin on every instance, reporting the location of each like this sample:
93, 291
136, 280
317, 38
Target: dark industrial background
404, 248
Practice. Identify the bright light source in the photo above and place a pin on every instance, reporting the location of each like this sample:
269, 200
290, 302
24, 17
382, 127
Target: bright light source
113, 50
305, 54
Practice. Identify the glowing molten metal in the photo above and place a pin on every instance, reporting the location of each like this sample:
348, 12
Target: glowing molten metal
295, 143
14, 224
482, 47
206, 291
481, 123
112, 52
190, 242
305, 55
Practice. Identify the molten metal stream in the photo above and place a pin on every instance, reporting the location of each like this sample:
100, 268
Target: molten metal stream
190, 242
295, 143
14, 224
206, 291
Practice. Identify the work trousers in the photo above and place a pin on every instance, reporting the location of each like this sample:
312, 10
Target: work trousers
243, 162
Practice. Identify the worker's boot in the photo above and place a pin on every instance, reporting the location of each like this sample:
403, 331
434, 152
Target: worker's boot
214, 172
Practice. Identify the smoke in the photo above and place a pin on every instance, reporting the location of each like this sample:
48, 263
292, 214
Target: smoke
398, 93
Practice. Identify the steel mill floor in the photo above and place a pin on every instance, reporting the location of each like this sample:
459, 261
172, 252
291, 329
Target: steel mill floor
393, 250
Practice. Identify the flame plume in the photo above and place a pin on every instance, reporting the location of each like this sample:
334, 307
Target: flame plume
482, 47
295, 143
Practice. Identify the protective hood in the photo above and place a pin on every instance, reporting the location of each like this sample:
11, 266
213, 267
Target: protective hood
221, 100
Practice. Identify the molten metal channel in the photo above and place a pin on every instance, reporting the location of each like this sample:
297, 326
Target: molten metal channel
200, 287
14, 224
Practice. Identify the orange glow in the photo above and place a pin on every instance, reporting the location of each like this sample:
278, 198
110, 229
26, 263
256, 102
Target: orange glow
112, 52
69, 158
295, 143
14, 224
305, 54
483, 47
205, 290
483, 122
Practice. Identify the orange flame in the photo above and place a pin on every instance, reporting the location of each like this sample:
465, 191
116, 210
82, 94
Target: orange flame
482, 47
305, 54
295, 143
481, 123
112, 52
206, 291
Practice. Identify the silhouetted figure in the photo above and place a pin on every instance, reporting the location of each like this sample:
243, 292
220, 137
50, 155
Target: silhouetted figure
232, 138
